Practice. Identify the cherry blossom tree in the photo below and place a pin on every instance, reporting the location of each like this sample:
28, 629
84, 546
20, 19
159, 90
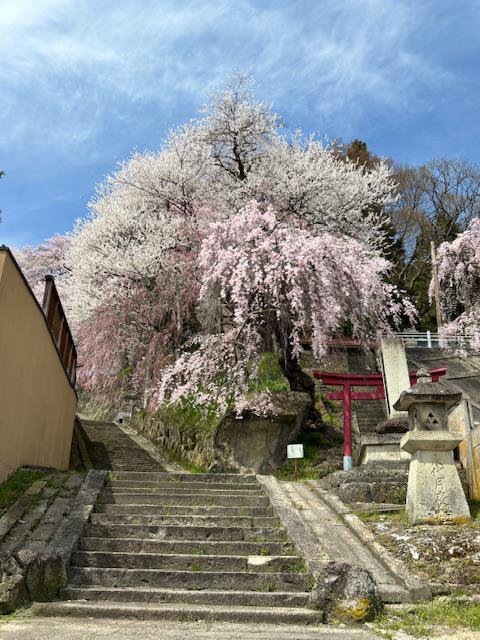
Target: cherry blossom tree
280, 282
132, 290
459, 279
134, 272
47, 258
237, 152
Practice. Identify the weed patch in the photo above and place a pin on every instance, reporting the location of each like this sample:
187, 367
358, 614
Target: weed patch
177, 458
418, 620
16, 485
270, 375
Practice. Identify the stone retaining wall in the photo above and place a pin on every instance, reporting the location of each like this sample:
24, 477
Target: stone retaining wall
39, 540
246, 444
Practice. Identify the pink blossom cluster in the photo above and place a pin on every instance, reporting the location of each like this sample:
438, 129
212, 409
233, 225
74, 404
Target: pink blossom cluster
276, 277
459, 279
47, 258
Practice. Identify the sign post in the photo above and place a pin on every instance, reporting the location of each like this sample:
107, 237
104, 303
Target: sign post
295, 452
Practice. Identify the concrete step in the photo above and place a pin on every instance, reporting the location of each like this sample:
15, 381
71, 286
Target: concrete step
169, 509
192, 520
181, 612
202, 547
183, 484
184, 498
242, 598
223, 580
234, 478
188, 562
185, 533
116, 464
180, 488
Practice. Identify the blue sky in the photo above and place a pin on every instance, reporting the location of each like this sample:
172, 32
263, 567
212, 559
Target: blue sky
85, 82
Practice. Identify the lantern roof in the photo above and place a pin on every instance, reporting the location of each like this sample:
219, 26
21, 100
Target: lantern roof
426, 391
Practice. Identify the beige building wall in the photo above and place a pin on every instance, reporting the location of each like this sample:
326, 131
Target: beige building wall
37, 401
469, 448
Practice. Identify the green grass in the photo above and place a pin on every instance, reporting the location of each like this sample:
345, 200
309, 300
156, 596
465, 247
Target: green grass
16, 485
312, 441
175, 457
306, 470
8, 617
417, 620
401, 516
270, 375
190, 416
393, 516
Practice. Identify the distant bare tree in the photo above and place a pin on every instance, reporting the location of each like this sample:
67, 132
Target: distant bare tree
436, 201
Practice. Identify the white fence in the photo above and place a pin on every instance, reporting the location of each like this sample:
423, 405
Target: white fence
432, 340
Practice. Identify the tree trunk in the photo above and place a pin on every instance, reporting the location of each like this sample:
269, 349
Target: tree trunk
297, 378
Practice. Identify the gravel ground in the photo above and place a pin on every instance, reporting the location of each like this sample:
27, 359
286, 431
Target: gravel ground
446, 555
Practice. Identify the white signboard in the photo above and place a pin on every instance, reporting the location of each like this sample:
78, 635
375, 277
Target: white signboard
295, 451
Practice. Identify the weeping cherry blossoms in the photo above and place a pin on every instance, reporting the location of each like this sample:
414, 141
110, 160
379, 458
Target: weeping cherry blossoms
459, 279
279, 282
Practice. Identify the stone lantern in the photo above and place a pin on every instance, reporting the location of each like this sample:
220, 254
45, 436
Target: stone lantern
434, 493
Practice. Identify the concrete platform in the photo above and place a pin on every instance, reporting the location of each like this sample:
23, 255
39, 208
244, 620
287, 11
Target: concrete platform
69, 628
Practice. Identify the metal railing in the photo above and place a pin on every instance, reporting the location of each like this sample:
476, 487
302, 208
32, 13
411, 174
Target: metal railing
433, 340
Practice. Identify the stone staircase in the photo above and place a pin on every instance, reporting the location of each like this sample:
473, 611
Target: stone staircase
186, 547
110, 448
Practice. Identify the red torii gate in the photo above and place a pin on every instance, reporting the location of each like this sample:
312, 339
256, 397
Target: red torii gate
349, 380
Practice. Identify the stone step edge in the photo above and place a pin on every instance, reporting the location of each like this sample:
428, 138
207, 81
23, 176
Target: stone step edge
188, 476
184, 592
190, 527
224, 510
261, 574
233, 494
148, 446
260, 530
166, 488
196, 556
218, 484
208, 484
294, 615
188, 491
169, 518
173, 541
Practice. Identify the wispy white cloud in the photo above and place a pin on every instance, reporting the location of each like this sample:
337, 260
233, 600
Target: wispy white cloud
68, 66
83, 82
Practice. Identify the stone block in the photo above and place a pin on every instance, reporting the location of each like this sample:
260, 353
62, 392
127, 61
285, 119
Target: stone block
259, 444
348, 594
434, 492
395, 372
13, 592
45, 577
247, 444
381, 447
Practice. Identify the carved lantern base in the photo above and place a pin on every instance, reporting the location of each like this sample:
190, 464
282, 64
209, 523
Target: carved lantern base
434, 493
